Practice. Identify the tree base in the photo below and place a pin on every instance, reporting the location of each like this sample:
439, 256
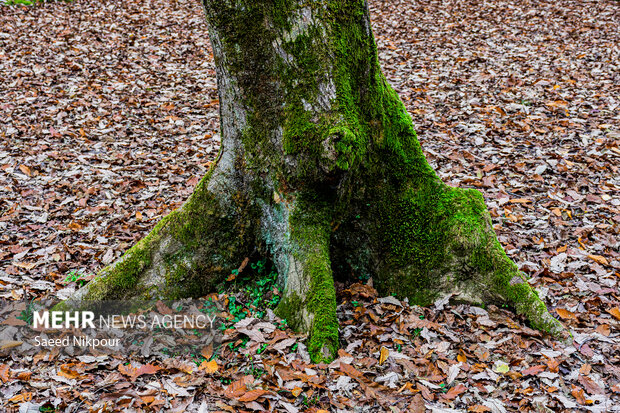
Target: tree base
422, 247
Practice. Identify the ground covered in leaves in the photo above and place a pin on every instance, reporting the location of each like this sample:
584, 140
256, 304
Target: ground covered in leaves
108, 118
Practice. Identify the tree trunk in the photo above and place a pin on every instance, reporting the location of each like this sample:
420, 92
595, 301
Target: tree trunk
320, 168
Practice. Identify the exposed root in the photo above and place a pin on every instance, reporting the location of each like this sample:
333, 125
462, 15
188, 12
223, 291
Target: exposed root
309, 302
186, 254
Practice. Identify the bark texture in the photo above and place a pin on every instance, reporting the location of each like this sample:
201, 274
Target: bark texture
320, 168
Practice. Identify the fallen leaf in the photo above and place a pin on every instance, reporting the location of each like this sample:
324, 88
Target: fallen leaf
454, 392
384, 354
208, 366
615, 312
25, 170
603, 329
23, 397
501, 367
252, 395
238, 387
566, 314
599, 258
534, 370
207, 351
579, 395
478, 408
4, 372
144, 369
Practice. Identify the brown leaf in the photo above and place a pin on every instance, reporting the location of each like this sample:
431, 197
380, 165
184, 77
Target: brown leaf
384, 354
350, 370
24, 375
585, 369
417, 404
520, 201
207, 351
24, 397
454, 392
72, 370
162, 308
184, 366
4, 372
599, 258
238, 387
603, 329
144, 369
243, 265
579, 395
534, 370
566, 314
615, 312
208, 366
25, 170
253, 395
478, 408
590, 386
127, 369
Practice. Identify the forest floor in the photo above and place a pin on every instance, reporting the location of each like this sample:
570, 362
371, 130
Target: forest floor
109, 117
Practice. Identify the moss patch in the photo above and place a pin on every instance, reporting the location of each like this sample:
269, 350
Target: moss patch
310, 234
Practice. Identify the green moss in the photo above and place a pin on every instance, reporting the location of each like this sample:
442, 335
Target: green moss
289, 309
310, 234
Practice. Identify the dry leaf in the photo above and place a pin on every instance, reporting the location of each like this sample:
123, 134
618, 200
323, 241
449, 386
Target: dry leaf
4, 372
615, 312
207, 351
384, 354
599, 258
454, 392
566, 314
238, 387
24, 397
253, 395
25, 170
209, 366
534, 370
603, 329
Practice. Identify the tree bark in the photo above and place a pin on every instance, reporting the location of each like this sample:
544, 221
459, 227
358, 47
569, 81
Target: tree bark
320, 169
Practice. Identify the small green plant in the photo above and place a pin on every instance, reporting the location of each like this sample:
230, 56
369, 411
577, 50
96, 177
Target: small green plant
78, 276
260, 291
197, 359
27, 314
310, 402
235, 310
254, 370
262, 348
